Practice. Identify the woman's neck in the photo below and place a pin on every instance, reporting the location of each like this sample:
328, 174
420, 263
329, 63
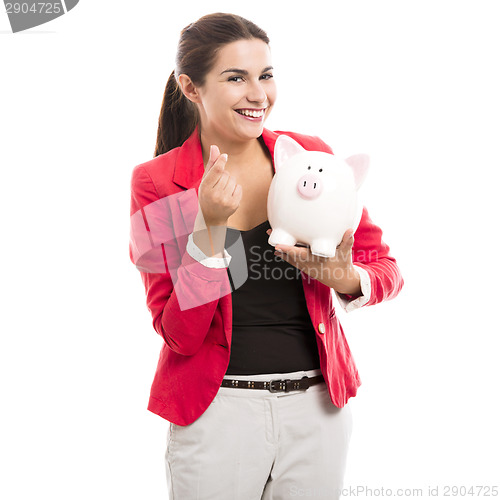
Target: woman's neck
240, 154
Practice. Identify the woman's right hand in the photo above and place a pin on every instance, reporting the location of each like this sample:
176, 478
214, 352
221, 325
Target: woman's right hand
219, 195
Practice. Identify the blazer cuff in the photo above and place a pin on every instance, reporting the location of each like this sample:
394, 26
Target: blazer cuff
349, 304
213, 262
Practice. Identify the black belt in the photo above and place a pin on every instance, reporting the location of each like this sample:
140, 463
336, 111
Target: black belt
284, 385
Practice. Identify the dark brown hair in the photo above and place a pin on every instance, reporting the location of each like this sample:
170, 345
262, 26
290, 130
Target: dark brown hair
197, 50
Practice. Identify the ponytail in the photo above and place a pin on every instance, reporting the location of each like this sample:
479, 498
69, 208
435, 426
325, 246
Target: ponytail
178, 118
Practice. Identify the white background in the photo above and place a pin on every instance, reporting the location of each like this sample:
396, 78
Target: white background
412, 83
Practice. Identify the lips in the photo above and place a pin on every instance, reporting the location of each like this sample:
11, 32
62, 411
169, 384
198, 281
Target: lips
251, 112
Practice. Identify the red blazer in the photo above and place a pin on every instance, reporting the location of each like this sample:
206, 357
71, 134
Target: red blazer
195, 355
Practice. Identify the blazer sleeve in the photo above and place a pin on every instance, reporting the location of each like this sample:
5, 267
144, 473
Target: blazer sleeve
380, 275
181, 293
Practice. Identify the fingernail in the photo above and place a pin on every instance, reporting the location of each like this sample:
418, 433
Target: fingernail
225, 156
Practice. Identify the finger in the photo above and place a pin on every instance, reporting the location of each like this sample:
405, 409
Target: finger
230, 187
346, 237
222, 181
238, 194
294, 253
289, 248
296, 256
212, 157
346, 244
349, 237
217, 170
216, 162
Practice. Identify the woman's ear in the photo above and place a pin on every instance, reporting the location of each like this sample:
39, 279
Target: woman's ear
188, 88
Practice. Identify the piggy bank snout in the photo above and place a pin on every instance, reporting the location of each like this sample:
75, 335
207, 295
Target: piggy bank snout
309, 186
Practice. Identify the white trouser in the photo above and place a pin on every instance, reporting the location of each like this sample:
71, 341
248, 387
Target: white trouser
251, 444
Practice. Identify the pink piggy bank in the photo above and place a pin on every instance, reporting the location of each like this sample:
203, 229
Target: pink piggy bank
313, 197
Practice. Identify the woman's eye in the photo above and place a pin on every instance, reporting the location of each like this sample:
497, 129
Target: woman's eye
266, 76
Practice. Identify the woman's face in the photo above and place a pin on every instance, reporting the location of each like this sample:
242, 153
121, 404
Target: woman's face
241, 82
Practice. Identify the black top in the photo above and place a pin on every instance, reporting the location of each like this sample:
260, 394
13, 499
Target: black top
272, 328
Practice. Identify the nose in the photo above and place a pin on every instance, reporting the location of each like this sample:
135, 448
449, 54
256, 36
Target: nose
309, 186
256, 93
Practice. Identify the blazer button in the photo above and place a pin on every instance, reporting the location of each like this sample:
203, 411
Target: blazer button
321, 328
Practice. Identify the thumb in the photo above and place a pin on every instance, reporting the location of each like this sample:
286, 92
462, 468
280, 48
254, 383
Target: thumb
347, 242
349, 238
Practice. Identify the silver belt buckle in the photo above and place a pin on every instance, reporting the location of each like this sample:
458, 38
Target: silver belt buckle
288, 385
286, 382
286, 388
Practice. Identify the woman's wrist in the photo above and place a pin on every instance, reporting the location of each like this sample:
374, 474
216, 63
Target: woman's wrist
347, 282
209, 236
211, 240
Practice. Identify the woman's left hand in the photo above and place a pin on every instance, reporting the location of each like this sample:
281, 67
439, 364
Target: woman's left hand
336, 272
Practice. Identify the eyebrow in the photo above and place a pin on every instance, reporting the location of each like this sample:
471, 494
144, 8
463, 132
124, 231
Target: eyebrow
243, 71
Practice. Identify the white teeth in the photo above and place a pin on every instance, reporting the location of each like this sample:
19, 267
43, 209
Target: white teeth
253, 114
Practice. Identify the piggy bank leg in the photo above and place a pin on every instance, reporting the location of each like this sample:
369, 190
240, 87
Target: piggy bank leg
281, 237
323, 247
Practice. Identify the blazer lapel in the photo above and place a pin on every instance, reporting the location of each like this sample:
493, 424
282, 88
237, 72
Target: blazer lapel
188, 172
269, 138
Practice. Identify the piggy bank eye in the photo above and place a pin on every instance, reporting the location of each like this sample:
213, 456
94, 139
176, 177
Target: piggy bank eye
321, 170
308, 168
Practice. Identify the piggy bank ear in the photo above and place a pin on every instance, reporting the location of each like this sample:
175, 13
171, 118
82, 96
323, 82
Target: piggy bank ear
359, 165
284, 148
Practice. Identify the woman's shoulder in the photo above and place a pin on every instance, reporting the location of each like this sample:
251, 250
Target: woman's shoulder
309, 142
161, 163
156, 173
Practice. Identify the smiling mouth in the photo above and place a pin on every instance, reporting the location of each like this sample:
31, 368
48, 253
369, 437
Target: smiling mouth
251, 113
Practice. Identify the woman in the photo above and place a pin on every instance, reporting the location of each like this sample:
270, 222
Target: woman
255, 372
